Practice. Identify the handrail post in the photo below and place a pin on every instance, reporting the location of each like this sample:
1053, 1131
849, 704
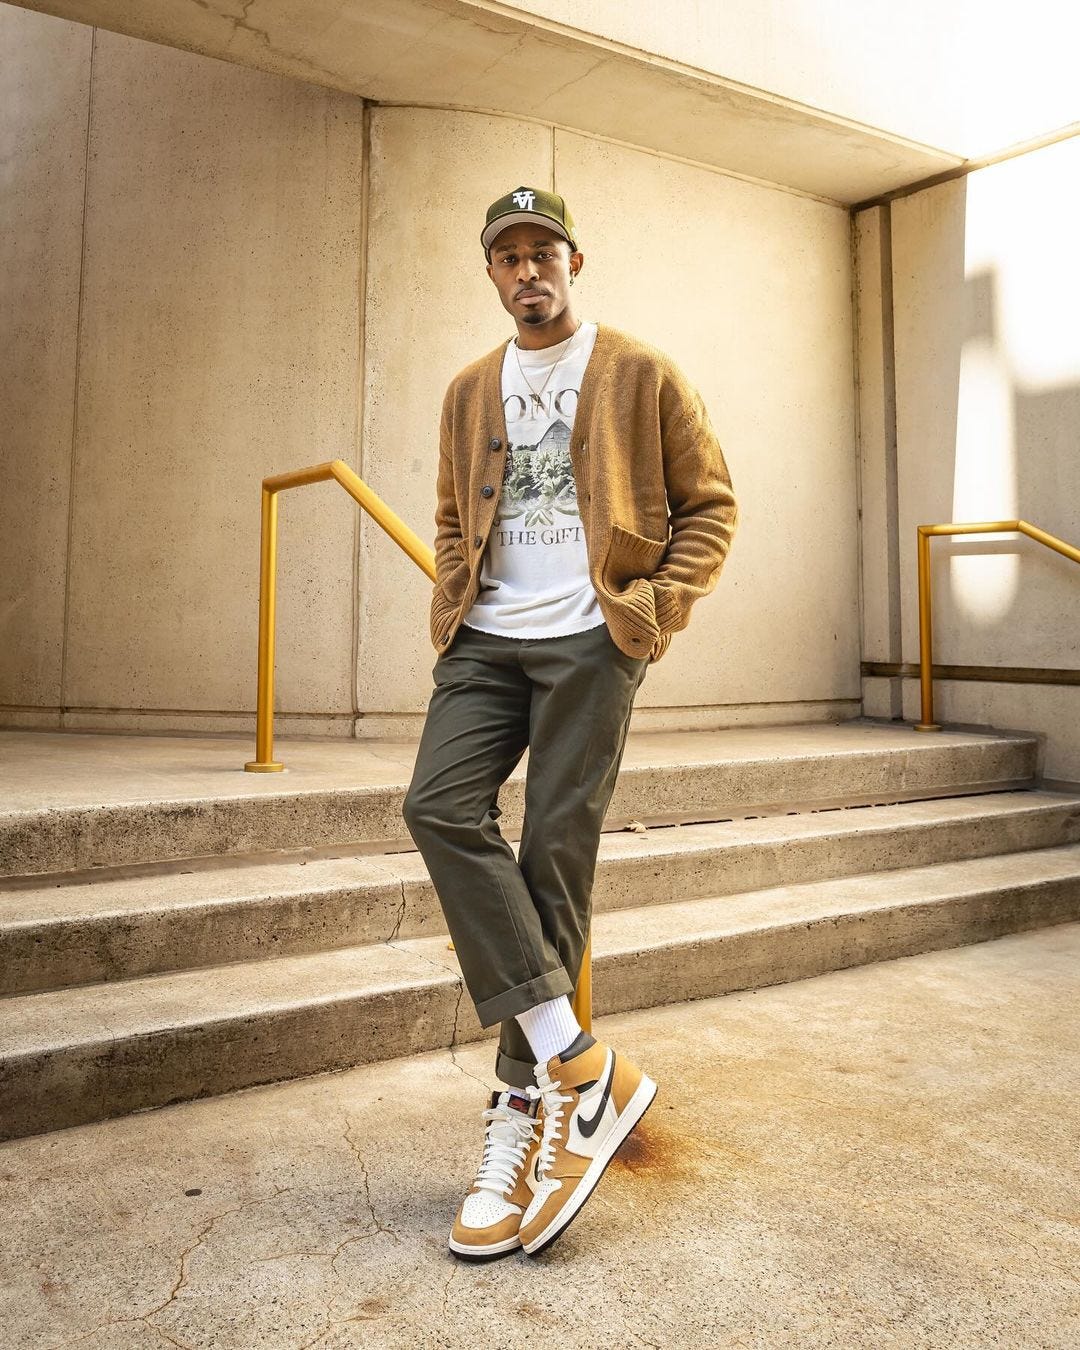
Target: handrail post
264, 761
926, 636
395, 527
582, 1002
925, 532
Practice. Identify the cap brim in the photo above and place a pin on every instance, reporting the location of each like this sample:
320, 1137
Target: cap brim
492, 231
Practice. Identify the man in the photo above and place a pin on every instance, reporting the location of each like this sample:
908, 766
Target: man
565, 458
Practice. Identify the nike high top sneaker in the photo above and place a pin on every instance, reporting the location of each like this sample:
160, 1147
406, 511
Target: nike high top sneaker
591, 1101
487, 1222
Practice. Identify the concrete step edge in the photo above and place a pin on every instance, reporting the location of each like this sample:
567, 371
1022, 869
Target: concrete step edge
816, 901
221, 992
139, 888
350, 902
407, 997
69, 837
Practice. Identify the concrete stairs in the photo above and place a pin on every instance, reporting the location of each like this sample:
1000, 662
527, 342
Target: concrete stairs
155, 950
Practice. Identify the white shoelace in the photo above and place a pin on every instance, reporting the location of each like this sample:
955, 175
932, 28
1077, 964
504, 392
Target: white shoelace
552, 1101
507, 1140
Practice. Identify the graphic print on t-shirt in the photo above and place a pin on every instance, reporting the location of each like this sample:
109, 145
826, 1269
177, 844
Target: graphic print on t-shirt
534, 578
539, 480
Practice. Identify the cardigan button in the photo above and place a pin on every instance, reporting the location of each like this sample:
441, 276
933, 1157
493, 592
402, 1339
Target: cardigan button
477, 542
445, 638
487, 491
494, 443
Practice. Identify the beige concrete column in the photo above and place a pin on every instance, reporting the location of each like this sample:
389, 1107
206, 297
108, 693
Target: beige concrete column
45, 79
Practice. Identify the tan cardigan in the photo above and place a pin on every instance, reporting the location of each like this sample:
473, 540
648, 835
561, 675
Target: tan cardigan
653, 491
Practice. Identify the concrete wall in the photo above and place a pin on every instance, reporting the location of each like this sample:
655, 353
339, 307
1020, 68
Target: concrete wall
971, 76
984, 278
181, 241
749, 289
42, 182
244, 292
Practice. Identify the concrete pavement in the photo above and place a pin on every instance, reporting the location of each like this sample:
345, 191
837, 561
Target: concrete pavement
881, 1157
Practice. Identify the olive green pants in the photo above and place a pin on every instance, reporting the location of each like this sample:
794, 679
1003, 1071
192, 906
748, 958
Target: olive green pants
519, 926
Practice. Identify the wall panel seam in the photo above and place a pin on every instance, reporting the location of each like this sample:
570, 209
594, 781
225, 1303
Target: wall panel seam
64, 633
856, 380
361, 397
892, 471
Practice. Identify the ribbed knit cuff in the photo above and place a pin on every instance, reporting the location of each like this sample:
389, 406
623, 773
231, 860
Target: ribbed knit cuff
668, 614
640, 599
635, 621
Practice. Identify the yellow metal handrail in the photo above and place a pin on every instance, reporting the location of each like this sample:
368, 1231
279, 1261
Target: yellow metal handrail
395, 527
418, 551
925, 533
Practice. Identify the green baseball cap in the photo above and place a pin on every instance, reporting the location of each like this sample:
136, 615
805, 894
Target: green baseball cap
523, 204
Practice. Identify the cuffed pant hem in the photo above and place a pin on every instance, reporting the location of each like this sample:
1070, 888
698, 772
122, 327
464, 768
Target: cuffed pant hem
515, 1073
524, 996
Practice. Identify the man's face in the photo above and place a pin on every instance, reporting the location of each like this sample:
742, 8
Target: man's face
531, 266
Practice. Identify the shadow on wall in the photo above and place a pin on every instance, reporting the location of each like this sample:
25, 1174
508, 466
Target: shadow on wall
1003, 443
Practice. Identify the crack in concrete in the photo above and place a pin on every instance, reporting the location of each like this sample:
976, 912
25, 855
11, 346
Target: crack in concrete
204, 1232
454, 1041
435, 965
145, 1318
510, 52
401, 914
180, 1284
379, 1226
576, 80
242, 23
319, 1335
78, 1340
1039, 1252
446, 1287
183, 1345
203, 1235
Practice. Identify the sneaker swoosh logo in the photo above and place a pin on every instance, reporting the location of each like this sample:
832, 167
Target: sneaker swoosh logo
589, 1126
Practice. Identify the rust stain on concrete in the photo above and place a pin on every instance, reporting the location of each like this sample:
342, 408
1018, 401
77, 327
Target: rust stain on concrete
533, 1311
658, 1149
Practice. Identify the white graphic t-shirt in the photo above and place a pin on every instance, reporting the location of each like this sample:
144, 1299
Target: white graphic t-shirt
534, 580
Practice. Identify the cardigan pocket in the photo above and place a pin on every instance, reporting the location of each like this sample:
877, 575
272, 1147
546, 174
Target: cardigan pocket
630, 561
448, 592
629, 556
441, 617
456, 572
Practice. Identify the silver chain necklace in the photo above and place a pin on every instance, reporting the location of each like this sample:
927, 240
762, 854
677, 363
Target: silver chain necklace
538, 394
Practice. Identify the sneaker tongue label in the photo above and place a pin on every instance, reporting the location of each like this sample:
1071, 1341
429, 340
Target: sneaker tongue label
518, 1103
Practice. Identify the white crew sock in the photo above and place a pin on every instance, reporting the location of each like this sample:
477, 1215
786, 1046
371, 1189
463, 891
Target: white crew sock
549, 1027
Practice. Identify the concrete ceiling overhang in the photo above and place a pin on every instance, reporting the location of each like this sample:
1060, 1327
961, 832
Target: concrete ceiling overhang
482, 56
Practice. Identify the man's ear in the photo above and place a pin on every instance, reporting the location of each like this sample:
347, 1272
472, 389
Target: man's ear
490, 273
577, 262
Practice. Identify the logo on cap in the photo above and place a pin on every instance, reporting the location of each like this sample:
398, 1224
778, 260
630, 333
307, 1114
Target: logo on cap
527, 204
